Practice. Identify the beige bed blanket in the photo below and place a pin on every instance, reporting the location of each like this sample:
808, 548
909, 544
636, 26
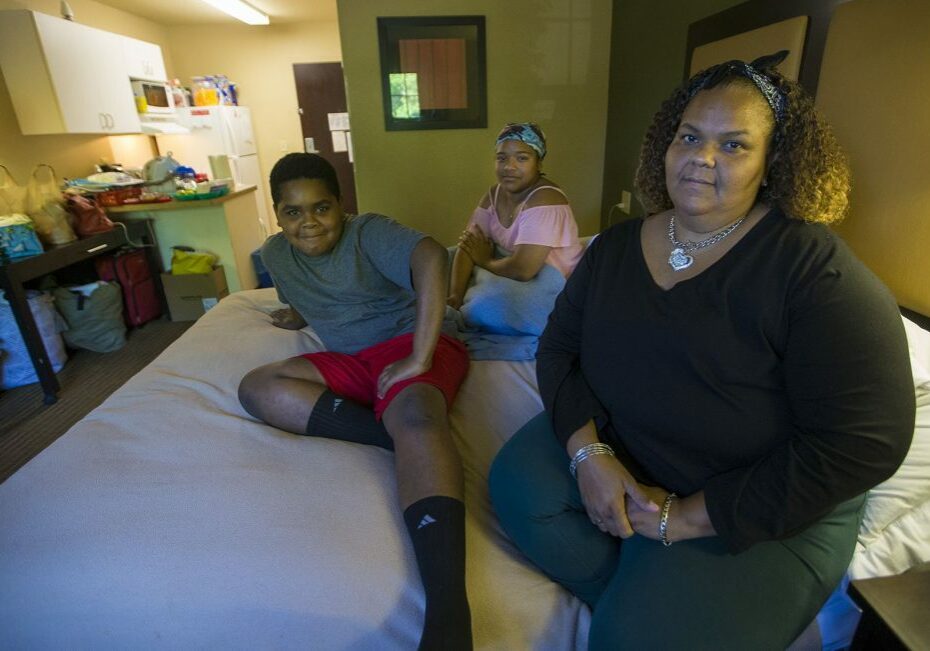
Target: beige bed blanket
169, 518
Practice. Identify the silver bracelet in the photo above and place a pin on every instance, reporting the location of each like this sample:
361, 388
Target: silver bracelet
663, 521
589, 450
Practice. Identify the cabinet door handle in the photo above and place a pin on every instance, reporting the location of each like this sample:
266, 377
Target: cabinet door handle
101, 120
99, 247
110, 120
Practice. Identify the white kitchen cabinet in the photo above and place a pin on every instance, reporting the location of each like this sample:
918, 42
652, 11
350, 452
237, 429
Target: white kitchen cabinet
64, 77
143, 60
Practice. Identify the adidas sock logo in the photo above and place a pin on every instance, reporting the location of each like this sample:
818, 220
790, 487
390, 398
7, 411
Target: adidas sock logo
336, 403
427, 519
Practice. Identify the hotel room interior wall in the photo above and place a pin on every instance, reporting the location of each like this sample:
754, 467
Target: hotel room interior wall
647, 58
260, 60
875, 92
73, 155
546, 61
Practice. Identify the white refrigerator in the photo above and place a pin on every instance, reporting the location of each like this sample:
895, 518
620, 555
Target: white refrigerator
217, 130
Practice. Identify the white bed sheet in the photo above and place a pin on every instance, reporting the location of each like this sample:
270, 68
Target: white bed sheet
168, 518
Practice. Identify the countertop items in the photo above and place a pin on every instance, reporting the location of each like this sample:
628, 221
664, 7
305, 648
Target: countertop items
174, 204
229, 226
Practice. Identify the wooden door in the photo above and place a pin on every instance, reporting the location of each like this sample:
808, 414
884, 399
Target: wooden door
321, 92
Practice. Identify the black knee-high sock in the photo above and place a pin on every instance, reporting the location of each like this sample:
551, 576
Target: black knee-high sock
334, 417
437, 528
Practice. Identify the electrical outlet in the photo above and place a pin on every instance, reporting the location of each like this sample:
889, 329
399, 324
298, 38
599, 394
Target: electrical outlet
624, 204
284, 145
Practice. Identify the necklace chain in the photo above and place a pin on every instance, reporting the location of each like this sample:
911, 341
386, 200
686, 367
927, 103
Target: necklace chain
679, 259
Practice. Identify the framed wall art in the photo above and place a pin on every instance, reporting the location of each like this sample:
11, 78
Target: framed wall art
433, 72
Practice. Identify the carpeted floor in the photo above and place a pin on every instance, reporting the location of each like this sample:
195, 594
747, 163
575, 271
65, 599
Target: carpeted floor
28, 426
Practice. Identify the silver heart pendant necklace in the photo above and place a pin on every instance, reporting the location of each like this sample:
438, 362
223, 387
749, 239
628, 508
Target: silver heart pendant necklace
681, 257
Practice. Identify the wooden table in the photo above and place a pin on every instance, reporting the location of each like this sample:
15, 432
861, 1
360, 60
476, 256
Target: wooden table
895, 611
15, 274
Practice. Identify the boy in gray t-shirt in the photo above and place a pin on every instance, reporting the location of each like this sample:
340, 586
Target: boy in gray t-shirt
375, 293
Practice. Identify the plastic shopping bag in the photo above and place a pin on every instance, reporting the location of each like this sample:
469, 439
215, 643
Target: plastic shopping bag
45, 207
184, 260
12, 195
16, 366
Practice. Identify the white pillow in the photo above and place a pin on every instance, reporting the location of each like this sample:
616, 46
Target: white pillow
886, 544
918, 343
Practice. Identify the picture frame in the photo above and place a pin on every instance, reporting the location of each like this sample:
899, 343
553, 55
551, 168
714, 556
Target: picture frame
433, 72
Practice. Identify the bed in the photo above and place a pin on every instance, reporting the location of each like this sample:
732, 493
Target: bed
169, 518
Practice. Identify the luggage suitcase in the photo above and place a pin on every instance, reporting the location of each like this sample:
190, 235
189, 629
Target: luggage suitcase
131, 270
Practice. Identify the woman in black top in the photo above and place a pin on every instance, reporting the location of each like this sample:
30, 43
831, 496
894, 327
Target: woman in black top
725, 379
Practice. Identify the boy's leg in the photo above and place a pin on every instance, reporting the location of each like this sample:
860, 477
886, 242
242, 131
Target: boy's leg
283, 394
430, 486
293, 395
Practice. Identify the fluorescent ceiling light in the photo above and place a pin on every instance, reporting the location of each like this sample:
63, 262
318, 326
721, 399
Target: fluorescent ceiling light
240, 10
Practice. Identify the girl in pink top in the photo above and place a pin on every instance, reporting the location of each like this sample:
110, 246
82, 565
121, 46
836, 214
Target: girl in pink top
525, 214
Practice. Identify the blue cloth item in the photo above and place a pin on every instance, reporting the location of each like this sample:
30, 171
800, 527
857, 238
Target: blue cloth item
18, 238
527, 132
502, 318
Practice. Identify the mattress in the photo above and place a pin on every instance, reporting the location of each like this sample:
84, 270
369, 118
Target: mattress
169, 518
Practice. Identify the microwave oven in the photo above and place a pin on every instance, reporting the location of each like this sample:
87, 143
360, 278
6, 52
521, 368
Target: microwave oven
157, 95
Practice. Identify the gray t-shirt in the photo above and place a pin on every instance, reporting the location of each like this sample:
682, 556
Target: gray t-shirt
357, 295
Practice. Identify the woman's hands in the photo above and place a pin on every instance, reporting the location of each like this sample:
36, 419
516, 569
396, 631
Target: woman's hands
477, 245
287, 318
608, 490
455, 301
402, 369
687, 516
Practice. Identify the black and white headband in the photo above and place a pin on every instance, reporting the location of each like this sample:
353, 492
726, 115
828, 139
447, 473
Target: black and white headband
754, 72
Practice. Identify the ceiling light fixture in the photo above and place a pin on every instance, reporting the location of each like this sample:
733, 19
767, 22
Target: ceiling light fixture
240, 10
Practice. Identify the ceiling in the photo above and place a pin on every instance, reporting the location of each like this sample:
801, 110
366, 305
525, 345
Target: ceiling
194, 12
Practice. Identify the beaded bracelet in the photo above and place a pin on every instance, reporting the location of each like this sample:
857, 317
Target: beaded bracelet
663, 521
589, 450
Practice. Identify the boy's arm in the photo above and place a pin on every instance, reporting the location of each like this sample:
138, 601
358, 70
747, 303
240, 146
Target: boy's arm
462, 266
287, 318
428, 265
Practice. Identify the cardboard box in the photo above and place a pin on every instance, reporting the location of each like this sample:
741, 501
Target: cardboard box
190, 295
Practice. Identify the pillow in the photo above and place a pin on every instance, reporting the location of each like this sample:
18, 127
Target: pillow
892, 505
918, 344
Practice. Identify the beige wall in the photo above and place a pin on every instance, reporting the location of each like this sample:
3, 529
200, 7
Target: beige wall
546, 62
875, 91
260, 60
74, 155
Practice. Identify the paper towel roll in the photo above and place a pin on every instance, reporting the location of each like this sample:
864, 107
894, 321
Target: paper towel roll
219, 167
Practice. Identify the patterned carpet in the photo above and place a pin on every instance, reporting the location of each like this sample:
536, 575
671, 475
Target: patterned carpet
28, 426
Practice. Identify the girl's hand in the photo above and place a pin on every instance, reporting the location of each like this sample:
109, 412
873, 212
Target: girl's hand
402, 369
606, 490
287, 318
477, 245
455, 301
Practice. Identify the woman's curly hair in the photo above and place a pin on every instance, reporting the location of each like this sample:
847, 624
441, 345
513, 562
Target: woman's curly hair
808, 175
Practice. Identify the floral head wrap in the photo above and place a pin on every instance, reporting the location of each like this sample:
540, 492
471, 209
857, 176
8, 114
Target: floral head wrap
527, 132
757, 72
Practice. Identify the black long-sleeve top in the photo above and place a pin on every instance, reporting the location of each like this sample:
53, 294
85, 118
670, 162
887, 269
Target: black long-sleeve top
777, 381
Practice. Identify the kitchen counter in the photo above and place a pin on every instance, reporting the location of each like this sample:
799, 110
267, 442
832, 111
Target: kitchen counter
174, 204
229, 227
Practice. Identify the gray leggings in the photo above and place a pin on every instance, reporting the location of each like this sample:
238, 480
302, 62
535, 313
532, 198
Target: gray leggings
692, 595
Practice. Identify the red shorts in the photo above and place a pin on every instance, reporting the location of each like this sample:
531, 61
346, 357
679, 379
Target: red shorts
356, 376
